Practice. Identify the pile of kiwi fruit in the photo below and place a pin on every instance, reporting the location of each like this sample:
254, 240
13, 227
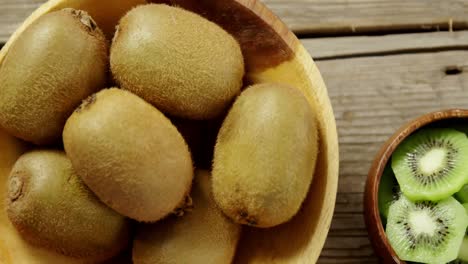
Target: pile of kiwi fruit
423, 196
147, 147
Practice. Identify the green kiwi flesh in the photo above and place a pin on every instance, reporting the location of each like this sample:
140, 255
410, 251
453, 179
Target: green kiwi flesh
463, 254
182, 63
462, 195
57, 62
388, 192
430, 164
51, 208
265, 155
129, 154
427, 232
202, 235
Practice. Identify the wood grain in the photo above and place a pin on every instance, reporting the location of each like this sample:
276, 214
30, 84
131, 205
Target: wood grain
372, 97
347, 47
362, 16
319, 17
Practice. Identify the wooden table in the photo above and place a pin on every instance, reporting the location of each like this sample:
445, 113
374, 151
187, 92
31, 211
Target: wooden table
385, 62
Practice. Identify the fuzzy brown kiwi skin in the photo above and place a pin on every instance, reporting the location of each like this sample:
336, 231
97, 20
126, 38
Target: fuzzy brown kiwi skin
265, 156
196, 78
39, 206
191, 237
45, 76
135, 160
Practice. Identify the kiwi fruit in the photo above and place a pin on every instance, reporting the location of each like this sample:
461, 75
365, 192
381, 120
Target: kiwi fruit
430, 164
463, 254
460, 126
11, 149
182, 63
462, 195
428, 232
389, 192
13, 248
56, 62
129, 154
51, 207
202, 235
265, 155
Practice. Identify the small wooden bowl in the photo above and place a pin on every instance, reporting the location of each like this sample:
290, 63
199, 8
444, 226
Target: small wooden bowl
272, 54
374, 225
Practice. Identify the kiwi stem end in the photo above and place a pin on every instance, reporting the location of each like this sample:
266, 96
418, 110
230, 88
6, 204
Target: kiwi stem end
15, 187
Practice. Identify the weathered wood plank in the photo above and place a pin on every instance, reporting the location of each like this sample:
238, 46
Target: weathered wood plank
349, 203
372, 97
346, 47
360, 16
320, 17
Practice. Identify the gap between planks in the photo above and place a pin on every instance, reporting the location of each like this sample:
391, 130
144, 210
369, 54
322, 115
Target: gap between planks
321, 17
350, 47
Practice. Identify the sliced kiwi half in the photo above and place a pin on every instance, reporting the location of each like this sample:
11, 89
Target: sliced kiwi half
463, 254
427, 232
462, 195
389, 191
430, 164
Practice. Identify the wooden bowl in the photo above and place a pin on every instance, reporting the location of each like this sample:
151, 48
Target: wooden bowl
272, 54
374, 225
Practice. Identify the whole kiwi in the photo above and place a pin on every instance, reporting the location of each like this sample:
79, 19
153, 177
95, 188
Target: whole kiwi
265, 155
52, 208
178, 61
13, 248
202, 235
56, 62
11, 149
129, 154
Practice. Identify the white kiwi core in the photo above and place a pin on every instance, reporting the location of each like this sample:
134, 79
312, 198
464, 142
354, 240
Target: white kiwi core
421, 222
432, 161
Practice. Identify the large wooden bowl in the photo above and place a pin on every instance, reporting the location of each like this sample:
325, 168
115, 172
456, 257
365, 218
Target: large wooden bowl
272, 54
382, 247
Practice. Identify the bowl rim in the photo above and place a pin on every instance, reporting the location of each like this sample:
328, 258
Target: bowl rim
373, 221
309, 79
